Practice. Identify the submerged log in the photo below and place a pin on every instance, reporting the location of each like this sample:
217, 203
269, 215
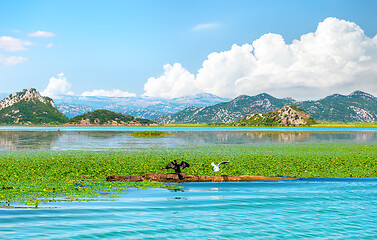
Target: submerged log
171, 177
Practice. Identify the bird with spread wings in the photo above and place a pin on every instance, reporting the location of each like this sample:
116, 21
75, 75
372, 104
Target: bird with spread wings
177, 167
216, 168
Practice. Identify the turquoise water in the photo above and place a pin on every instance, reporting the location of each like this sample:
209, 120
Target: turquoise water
302, 209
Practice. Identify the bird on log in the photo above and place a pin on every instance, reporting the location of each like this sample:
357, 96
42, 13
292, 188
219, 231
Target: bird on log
177, 167
216, 168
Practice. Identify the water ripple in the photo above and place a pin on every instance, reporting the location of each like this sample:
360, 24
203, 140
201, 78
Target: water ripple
303, 209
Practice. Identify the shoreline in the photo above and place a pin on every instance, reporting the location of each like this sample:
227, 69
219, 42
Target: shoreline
208, 125
189, 129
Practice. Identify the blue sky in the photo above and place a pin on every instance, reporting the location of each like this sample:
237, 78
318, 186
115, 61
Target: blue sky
109, 45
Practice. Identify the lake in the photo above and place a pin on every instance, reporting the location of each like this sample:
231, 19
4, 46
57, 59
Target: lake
107, 138
335, 208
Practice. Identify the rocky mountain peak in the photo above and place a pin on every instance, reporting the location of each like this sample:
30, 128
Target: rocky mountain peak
264, 95
29, 94
241, 97
288, 115
334, 96
292, 116
29, 107
359, 93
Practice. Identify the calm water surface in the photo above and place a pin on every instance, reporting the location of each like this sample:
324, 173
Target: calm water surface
302, 209
104, 140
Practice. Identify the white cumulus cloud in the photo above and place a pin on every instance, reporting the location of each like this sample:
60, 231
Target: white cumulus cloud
57, 86
50, 45
222, 70
12, 60
41, 34
13, 44
176, 81
108, 93
337, 58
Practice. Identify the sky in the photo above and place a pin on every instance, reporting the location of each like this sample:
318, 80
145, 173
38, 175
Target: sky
163, 48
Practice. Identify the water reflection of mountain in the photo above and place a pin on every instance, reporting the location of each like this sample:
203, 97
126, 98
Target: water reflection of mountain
241, 137
197, 138
98, 134
104, 140
28, 140
280, 137
345, 137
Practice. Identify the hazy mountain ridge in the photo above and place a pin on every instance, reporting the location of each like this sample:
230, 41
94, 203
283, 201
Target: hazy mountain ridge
142, 107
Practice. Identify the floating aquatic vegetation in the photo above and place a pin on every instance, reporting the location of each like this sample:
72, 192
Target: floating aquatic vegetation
34, 177
150, 134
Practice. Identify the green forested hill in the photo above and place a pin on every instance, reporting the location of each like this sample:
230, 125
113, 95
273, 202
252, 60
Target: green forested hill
106, 117
288, 115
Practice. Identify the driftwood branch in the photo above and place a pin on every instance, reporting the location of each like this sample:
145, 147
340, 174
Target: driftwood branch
171, 177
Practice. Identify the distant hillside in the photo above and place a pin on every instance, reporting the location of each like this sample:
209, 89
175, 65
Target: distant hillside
227, 112
288, 115
355, 107
106, 117
29, 107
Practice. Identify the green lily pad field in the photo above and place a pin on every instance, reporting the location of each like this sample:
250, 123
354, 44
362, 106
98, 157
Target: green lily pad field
32, 177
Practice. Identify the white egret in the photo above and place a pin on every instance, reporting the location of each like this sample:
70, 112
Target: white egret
216, 168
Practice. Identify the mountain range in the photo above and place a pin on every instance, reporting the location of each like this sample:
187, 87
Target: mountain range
227, 112
202, 108
355, 107
141, 107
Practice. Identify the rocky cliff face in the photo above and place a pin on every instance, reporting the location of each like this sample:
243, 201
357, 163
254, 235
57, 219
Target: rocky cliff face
29, 94
286, 116
29, 107
292, 116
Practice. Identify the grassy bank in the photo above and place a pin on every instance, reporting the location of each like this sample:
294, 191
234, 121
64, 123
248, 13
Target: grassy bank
32, 177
